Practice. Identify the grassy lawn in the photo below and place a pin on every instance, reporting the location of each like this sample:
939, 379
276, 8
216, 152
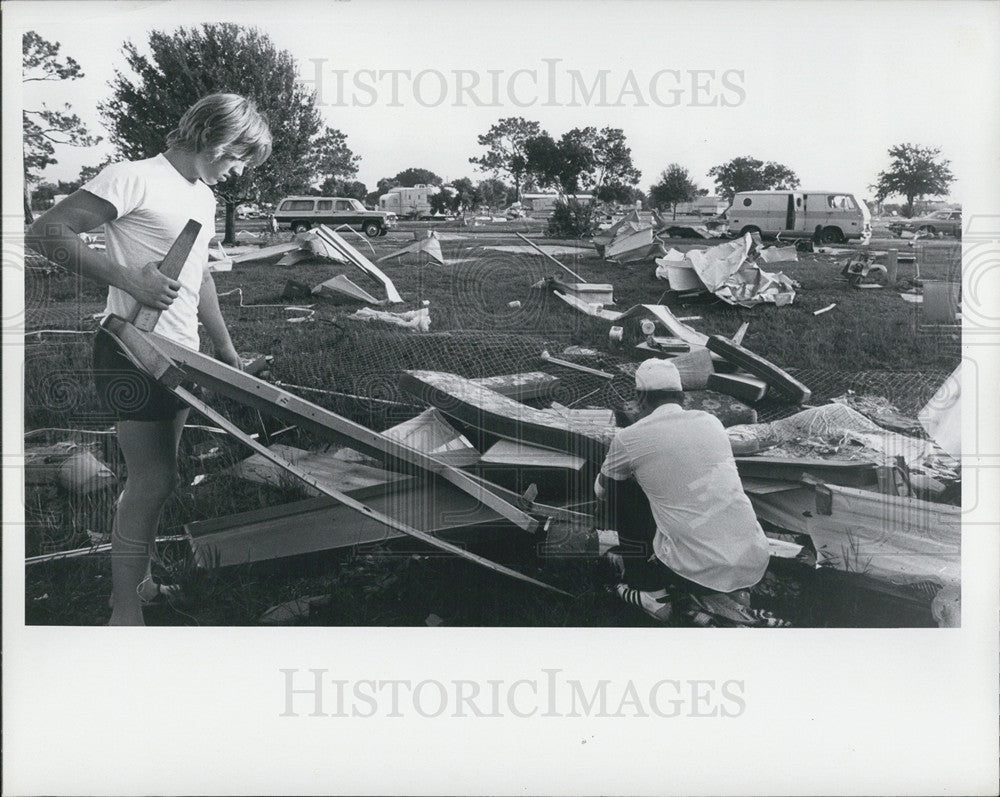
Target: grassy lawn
473, 332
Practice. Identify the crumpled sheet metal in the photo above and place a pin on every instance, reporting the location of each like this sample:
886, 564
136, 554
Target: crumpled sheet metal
726, 271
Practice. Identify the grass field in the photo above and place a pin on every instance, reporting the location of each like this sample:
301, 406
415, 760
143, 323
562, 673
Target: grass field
873, 333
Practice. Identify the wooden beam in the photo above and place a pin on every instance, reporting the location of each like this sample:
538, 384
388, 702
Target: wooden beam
143, 352
352, 503
742, 386
848, 473
777, 378
235, 384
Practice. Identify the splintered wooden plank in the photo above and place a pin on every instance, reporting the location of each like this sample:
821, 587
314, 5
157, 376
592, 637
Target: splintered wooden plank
473, 404
514, 453
144, 318
849, 473
742, 386
777, 378
524, 386
235, 384
320, 524
322, 466
431, 433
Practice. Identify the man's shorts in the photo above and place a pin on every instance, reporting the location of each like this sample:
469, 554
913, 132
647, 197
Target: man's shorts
125, 391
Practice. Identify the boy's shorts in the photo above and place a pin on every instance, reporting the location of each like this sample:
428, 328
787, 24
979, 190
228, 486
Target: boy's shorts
127, 392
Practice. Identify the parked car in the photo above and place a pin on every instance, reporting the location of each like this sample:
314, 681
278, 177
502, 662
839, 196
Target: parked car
247, 211
946, 221
300, 213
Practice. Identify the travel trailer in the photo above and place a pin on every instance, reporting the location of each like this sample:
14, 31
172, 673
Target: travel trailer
413, 202
835, 216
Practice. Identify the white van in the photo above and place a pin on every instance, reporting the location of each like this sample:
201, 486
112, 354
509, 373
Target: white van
835, 216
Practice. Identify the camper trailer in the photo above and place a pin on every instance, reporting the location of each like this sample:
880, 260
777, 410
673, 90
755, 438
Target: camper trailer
833, 216
412, 202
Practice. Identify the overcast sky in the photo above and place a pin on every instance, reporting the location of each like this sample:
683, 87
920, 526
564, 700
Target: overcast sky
824, 88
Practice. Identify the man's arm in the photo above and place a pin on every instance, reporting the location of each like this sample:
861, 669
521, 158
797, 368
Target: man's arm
210, 315
617, 467
55, 235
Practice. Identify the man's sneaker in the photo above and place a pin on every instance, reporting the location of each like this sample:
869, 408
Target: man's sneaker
656, 604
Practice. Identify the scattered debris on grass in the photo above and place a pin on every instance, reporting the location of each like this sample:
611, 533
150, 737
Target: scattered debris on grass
413, 320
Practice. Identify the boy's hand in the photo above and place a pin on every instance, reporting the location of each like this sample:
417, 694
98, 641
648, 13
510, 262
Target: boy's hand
229, 357
150, 287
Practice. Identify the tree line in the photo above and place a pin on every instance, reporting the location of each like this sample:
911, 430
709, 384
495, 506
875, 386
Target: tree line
309, 157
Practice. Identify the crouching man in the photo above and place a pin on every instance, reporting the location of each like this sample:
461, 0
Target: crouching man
690, 546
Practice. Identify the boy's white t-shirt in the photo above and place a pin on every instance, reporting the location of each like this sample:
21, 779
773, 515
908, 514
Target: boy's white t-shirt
154, 201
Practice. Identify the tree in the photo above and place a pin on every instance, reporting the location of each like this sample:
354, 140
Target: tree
750, 174
914, 172
505, 149
494, 193
88, 173
354, 189
584, 160
416, 176
543, 161
334, 186
576, 159
675, 186
466, 195
442, 201
44, 128
333, 159
615, 176
189, 63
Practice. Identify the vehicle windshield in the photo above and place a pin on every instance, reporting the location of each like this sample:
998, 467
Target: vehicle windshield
356, 204
940, 214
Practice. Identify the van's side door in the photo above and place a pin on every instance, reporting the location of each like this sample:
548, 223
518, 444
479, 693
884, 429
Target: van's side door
795, 217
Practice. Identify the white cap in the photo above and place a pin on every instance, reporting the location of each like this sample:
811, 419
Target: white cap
657, 375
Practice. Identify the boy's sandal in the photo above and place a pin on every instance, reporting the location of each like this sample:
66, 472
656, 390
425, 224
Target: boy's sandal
164, 594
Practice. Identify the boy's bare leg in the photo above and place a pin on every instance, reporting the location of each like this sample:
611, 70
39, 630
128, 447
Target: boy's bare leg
150, 451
